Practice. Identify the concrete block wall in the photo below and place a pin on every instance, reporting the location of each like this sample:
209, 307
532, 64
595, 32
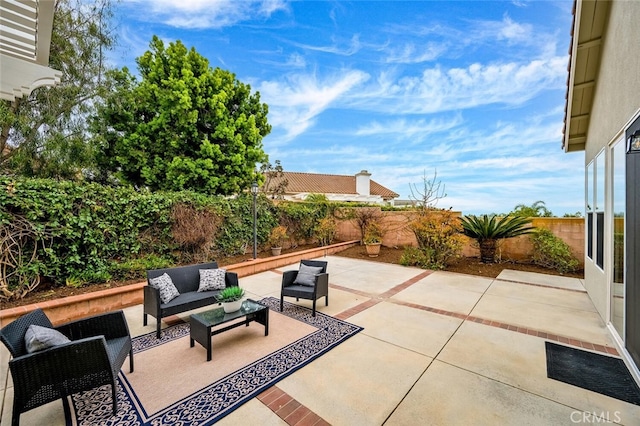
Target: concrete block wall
570, 230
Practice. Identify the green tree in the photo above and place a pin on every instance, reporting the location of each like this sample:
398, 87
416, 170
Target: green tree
45, 133
537, 209
183, 126
488, 231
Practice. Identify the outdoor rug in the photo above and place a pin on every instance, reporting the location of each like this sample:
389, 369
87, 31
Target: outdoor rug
595, 372
174, 384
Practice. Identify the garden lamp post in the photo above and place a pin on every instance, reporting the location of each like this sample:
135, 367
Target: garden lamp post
254, 192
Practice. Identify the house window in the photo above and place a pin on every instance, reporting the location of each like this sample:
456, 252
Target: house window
599, 209
589, 208
618, 202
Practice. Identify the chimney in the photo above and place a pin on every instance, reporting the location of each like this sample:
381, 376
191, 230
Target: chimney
363, 183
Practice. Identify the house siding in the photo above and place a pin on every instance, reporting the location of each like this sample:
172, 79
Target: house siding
616, 101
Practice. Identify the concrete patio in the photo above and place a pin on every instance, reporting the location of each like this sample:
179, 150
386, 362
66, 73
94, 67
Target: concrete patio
437, 348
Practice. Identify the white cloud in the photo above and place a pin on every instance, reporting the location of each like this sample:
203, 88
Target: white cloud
342, 49
404, 129
412, 54
296, 101
195, 14
439, 89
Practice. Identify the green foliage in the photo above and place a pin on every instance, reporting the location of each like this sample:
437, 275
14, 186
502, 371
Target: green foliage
301, 218
325, 230
183, 126
136, 267
415, 256
537, 209
488, 230
230, 294
277, 236
551, 252
47, 129
438, 236
373, 233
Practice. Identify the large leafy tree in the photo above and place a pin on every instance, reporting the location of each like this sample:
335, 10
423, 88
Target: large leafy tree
45, 134
184, 125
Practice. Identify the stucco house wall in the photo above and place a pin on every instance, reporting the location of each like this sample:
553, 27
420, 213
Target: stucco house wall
616, 100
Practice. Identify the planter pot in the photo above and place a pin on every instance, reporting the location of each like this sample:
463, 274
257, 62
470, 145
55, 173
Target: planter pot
275, 251
373, 249
232, 306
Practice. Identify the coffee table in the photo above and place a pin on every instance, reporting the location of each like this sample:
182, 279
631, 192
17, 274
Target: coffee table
202, 323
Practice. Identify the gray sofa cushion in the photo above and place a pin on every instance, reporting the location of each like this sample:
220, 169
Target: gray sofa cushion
165, 286
212, 279
307, 275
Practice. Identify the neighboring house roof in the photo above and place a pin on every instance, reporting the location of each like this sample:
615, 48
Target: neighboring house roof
25, 41
315, 183
589, 25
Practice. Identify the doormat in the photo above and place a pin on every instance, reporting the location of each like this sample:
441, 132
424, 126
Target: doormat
603, 374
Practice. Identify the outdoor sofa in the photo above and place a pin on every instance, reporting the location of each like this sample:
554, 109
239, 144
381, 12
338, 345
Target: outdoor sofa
187, 281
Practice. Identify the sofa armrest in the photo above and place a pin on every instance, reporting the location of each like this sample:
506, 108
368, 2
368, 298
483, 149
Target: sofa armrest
231, 279
111, 325
151, 300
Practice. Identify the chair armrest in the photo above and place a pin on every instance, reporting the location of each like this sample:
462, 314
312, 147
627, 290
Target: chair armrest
231, 279
61, 364
322, 283
111, 325
288, 277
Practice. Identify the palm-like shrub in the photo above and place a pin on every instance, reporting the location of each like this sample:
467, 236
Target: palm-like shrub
488, 230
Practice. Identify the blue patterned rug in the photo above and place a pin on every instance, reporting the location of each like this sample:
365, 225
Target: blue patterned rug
220, 398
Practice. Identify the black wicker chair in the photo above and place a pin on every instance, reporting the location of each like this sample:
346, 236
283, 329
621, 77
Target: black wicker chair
319, 289
98, 348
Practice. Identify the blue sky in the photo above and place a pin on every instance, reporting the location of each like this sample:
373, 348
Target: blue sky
472, 90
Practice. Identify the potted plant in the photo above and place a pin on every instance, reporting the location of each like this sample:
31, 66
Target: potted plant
373, 239
231, 298
276, 238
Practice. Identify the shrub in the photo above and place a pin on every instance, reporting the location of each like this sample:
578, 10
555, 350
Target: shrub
551, 252
438, 236
325, 231
422, 258
488, 231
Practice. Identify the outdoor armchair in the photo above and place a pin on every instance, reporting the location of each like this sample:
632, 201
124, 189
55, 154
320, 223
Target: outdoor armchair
310, 282
93, 357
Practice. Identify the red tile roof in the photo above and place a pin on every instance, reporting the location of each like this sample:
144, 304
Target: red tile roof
329, 184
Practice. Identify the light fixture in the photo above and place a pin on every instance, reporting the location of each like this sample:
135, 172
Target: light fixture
634, 142
254, 192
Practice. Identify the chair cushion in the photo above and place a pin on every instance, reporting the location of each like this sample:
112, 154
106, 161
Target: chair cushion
212, 279
38, 338
165, 286
307, 275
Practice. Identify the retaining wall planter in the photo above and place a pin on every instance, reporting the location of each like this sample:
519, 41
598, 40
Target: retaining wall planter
83, 305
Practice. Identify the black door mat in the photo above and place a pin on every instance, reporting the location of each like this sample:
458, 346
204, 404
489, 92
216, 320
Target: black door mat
598, 373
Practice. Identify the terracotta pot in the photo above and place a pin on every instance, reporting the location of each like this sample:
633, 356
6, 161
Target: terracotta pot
373, 249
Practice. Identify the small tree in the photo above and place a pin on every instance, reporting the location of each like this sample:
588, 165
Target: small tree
432, 191
488, 231
275, 184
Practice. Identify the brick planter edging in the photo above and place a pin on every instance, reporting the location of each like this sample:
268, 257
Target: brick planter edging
83, 305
